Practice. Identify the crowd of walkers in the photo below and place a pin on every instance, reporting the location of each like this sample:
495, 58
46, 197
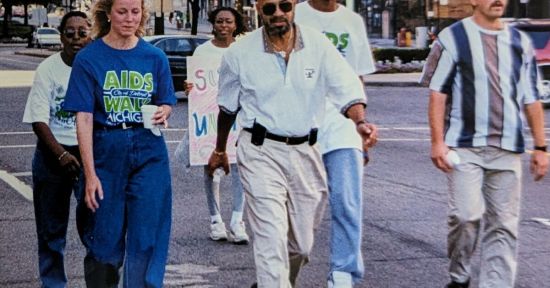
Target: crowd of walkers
295, 89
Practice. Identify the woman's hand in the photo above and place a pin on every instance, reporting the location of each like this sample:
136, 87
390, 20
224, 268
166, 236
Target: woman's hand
161, 115
92, 192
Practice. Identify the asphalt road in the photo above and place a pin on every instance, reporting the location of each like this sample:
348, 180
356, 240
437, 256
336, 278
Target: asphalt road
404, 225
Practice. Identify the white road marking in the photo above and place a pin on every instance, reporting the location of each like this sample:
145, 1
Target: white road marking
16, 78
542, 221
20, 61
19, 186
17, 146
19, 174
17, 133
186, 275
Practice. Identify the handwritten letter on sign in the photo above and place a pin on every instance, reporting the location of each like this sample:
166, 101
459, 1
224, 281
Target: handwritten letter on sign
203, 111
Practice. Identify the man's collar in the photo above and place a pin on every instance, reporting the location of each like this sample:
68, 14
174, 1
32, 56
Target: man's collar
298, 40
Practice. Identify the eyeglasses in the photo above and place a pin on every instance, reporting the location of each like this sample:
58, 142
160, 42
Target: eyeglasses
270, 8
70, 33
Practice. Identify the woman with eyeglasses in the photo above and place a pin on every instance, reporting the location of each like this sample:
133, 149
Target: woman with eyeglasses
125, 207
227, 24
56, 162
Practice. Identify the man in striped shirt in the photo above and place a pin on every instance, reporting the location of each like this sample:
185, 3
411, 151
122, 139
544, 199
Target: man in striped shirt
482, 76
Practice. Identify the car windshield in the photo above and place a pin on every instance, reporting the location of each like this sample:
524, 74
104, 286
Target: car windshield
47, 31
540, 38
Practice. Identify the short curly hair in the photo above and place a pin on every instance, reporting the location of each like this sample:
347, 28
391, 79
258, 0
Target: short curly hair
101, 25
66, 17
239, 19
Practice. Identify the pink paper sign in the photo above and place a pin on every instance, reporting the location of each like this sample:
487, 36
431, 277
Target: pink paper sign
203, 111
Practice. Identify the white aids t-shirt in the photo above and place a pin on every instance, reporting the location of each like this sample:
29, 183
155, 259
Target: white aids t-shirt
46, 99
347, 32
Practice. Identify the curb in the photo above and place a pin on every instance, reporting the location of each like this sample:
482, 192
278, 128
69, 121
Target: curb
44, 54
368, 83
391, 84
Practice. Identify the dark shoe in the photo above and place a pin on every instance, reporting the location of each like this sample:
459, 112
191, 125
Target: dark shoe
255, 285
454, 284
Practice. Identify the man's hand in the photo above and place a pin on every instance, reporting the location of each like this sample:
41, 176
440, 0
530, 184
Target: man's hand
93, 190
70, 164
439, 157
217, 160
539, 164
369, 134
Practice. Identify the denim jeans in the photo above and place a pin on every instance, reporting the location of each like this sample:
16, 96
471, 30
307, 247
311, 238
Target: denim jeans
345, 177
213, 198
132, 224
52, 190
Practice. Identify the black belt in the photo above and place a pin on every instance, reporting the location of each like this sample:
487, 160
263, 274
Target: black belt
123, 126
287, 140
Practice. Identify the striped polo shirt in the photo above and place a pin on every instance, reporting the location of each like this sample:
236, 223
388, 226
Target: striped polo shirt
488, 75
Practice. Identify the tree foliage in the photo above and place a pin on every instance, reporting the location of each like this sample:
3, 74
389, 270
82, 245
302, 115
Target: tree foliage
8, 10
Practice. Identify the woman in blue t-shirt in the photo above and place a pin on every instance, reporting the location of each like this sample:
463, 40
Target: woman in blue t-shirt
124, 210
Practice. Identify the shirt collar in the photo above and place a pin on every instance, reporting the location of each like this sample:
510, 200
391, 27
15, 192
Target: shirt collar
298, 42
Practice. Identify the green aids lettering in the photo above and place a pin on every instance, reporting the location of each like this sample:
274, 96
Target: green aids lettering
128, 80
344, 41
136, 80
124, 78
332, 37
111, 103
111, 81
341, 42
148, 80
213, 121
126, 104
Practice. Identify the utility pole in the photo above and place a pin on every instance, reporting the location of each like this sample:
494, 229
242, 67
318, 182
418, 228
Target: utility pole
159, 20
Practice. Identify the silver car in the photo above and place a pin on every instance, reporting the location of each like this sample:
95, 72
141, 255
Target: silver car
46, 37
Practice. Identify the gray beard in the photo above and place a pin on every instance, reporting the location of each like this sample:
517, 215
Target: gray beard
277, 31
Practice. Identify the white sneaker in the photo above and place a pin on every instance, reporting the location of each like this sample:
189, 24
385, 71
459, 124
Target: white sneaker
218, 232
340, 280
238, 235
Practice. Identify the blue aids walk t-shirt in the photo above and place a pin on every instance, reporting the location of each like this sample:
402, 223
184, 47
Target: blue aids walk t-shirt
114, 84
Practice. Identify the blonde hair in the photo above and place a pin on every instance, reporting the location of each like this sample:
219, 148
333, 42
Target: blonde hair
101, 25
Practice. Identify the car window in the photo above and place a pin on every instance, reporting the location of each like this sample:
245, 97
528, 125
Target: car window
175, 46
201, 41
545, 72
47, 31
540, 38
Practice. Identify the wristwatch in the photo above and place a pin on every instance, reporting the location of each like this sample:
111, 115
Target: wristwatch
541, 148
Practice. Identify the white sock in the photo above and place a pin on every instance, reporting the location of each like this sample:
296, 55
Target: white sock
236, 218
216, 219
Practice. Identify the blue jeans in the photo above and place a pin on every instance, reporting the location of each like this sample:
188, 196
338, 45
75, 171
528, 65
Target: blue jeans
213, 198
132, 224
52, 190
345, 177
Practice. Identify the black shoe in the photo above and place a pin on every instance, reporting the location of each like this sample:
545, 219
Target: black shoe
454, 284
255, 285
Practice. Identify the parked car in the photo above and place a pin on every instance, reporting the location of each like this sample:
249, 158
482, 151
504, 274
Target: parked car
177, 48
46, 36
539, 32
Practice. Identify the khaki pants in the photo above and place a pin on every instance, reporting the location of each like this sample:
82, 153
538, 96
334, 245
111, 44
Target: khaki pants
486, 184
286, 193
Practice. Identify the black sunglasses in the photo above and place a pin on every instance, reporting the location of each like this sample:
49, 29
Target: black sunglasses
70, 33
270, 8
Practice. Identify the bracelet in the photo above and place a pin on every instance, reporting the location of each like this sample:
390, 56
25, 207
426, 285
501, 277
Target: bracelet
219, 153
360, 122
62, 155
541, 148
